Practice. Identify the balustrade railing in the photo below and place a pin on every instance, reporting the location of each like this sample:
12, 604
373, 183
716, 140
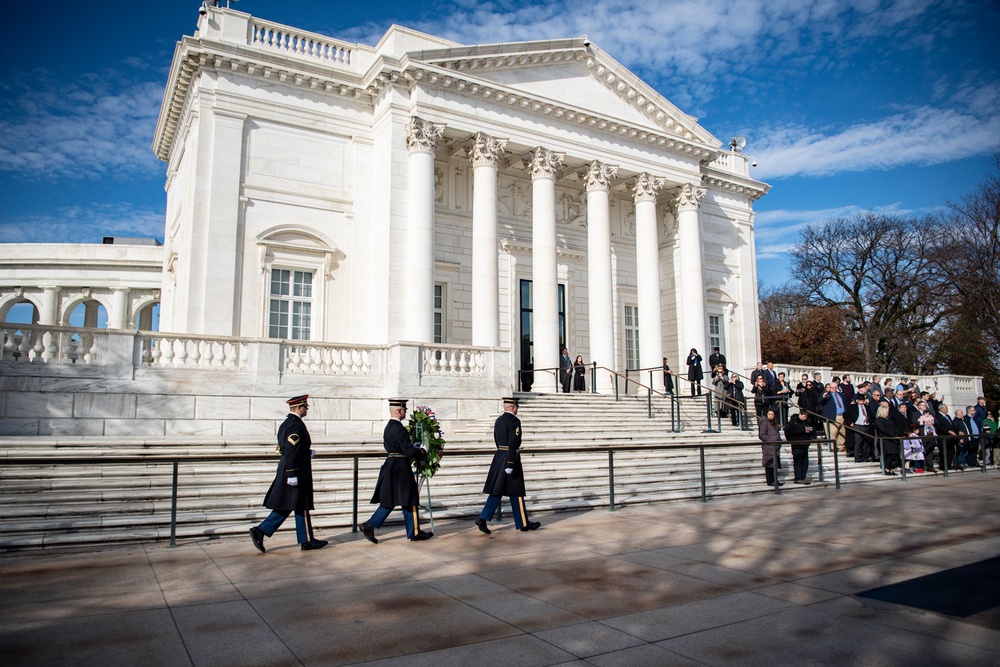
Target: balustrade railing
452, 360
32, 344
327, 359
281, 38
175, 351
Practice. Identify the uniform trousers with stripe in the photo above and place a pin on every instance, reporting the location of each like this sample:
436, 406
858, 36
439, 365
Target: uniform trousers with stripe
303, 524
516, 506
410, 519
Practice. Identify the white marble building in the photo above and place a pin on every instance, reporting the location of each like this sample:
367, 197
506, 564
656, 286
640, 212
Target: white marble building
336, 192
482, 205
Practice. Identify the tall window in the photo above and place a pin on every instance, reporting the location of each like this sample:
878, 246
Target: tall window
290, 315
527, 308
715, 332
631, 336
439, 312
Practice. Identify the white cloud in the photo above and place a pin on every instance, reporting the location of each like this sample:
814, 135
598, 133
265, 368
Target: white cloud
95, 128
84, 224
921, 136
684, 47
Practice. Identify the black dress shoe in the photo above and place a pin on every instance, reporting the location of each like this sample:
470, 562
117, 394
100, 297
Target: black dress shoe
532, 525
483, 528
257, 535
420, 536
314, 544
368, 531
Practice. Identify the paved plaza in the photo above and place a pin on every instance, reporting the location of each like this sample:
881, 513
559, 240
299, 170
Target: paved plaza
761, 579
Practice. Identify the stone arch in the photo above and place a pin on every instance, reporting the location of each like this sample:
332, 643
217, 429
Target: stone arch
72, 301
140, 305
8, 301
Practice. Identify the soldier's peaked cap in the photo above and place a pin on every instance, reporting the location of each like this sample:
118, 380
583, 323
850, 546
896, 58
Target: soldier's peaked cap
510, 400
297, 400
397, 402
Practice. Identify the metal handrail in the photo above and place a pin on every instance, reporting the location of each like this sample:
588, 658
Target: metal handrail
356, 455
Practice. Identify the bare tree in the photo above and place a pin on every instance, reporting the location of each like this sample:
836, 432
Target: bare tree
880, 271
968, 249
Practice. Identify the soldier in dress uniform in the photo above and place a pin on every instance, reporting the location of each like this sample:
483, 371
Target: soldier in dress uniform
506, 478
396, 485
292, 488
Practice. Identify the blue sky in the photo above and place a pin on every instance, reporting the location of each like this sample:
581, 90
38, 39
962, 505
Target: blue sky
847, 105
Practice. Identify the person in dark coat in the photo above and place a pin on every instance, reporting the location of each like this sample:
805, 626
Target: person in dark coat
579, 375
695, 373
396, 486
717, 358
565, 370
292, 488
668, 379
506, 477
737, 401
885, 430
799, 432
767, 431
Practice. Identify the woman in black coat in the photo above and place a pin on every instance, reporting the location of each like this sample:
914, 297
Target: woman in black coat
769, 435
579, 375
695, 374
885, 429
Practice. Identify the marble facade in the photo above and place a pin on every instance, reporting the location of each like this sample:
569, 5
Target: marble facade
407, 193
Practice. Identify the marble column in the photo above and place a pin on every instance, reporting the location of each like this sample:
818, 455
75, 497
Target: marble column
543, 166
485, 154
421, 140
118, 317
647, 255
692, 287
48, 313
599, 283
90, 310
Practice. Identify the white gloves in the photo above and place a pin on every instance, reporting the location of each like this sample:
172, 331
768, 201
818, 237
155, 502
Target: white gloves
293, 481
509, 471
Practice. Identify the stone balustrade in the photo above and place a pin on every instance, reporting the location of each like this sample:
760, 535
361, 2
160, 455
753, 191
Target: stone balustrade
734, 163
275, 37
327, 359
177, 351
954, 390
453, 360
35, 344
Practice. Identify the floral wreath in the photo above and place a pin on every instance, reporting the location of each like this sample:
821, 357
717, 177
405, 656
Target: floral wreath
424, 427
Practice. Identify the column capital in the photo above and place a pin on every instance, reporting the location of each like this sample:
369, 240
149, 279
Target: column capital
689, 197
422, 136
485, 150
599, 175
544, 163
645, 187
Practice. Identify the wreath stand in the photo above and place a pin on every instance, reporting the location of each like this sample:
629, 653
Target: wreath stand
430, 508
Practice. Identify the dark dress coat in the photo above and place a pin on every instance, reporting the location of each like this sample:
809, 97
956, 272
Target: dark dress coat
579, 377
507, 436
769, 435
886, 428
695, 374
668, 379
396, 485
294, 444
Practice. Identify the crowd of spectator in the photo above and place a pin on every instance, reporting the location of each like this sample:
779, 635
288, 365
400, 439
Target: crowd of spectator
892, 423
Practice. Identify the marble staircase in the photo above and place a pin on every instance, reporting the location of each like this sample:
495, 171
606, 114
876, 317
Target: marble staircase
565, 459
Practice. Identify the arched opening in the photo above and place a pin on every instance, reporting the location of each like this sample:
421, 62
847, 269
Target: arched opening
19, 312
88, 313
148, 317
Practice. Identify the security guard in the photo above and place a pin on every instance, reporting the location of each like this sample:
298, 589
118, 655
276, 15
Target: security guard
396, 485
292, 488
506, 478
